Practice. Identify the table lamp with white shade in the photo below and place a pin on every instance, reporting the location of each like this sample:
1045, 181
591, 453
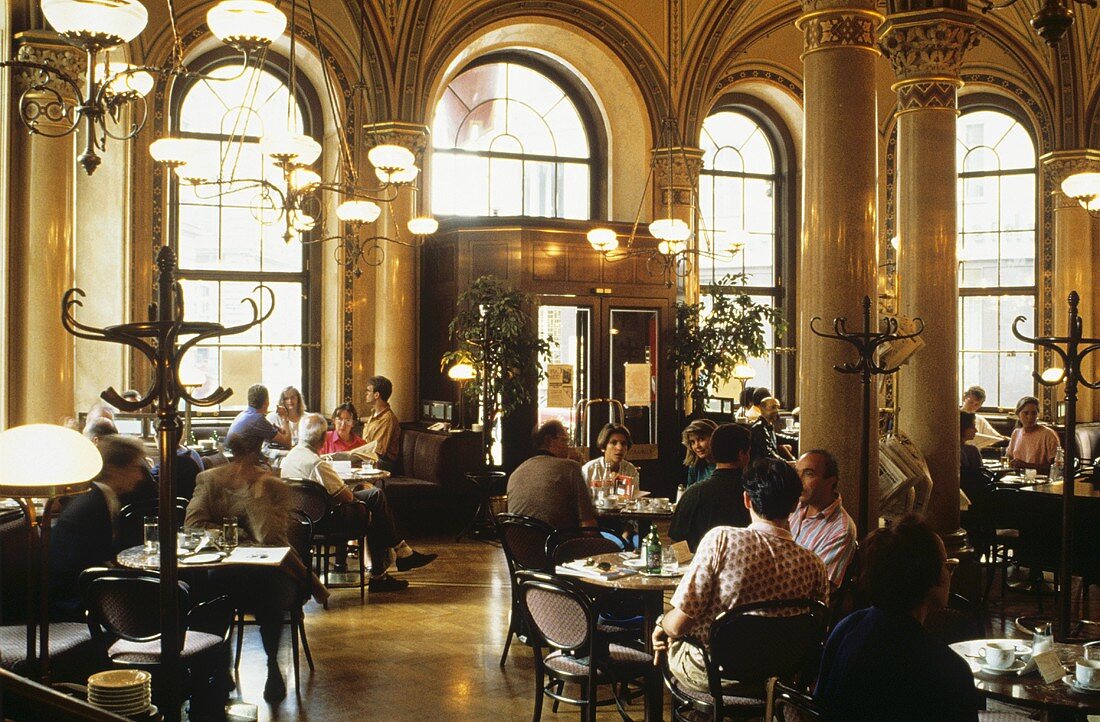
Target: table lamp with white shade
192, 378
462, 373
43, 461
743, 373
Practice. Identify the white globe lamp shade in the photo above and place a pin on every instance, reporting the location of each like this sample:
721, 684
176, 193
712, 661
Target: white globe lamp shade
290, 148
1052, 375
171, 152
301, 221
96, 23
743, 372
603, 239
43, 460
462, 372
671, 248
121, 81
246, 24
304, 178
423, 226
670, 229
200, 165
391, 158
1082, 186
358, 211
401, 176
192, 376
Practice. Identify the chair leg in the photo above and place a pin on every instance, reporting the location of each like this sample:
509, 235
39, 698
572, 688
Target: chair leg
507, 643
539, 682
305, 642
294, 651
240, 640
362, 573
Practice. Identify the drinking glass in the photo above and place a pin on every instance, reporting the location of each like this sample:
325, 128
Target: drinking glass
1042, 640
669, 563
151, 535
190, 538
229, 533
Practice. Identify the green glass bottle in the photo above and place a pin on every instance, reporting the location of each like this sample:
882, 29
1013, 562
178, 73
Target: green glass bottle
651, 551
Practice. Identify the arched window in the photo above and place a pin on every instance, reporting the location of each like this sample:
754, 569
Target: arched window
739, 201
510, 141
996, 253
231, 242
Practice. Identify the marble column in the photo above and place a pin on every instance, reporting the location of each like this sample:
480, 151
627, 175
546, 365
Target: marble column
397, 288
1074, 262
40, 352
926, 50
839, 221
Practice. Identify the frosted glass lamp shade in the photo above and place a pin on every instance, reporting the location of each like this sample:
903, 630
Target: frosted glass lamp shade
1082, 186
304, 178
671, 248
103, 23
246, 24
423, 226
290, 148
391, 158
743, 372
401, 176
301, 221
171, 152
121, 81
670, 229
358, 211
461, 372
44, 461
603, 239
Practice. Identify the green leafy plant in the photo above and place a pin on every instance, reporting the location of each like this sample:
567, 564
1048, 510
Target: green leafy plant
707, 343
494, 333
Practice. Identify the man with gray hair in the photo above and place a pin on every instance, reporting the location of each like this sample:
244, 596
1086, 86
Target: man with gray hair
303, 462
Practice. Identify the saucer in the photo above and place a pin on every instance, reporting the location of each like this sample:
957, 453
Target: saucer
1071, 682
1016, 667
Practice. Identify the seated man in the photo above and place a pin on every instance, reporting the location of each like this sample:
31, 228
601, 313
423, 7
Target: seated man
879, 663
86, 532
985, 435
382, 432
740, 566
718, 500
819, 522
253, 420
147, 488
303, 462
549, 486
764, 445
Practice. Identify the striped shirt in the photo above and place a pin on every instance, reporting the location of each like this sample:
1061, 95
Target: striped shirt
831, 534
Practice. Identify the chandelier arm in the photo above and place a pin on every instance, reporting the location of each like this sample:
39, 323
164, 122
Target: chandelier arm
135, 126
47, 71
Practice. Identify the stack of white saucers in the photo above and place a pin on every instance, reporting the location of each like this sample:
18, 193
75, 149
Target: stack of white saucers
125, 692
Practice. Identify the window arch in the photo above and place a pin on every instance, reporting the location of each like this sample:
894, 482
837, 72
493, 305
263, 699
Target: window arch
997, 251
511, 138
742, 204
229, 243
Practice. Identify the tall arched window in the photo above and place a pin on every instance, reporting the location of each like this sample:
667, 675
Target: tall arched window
510, 141
231, 242
739, 192
996, 251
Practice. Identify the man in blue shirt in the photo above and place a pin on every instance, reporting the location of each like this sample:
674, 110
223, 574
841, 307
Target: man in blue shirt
879, 663
253, 422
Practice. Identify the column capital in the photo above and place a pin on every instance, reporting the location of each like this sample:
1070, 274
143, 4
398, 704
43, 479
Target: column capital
1061, 164
676, 171
44, 100
828, 24
413, 136
928, 45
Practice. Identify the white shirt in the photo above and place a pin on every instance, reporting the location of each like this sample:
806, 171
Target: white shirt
987, 435
600, 469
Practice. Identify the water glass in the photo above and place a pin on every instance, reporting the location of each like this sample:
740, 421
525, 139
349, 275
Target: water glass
1042, 640
152, 535
229, 533
669, 563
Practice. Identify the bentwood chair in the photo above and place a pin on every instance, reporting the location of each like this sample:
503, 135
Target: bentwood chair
748, 645
131, 519
563, 622
334, 525
523, 539
781, 698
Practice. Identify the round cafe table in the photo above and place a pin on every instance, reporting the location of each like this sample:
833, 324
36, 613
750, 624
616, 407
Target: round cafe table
1056, 698
652, 591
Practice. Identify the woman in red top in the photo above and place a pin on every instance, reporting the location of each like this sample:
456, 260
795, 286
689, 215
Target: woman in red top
344, 438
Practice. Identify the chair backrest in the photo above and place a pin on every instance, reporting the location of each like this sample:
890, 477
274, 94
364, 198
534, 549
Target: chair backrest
299, 534
566, 545
308, 497
125, 603
523, 539
778, 638
781, 698
131, 518
561, 616
348, 519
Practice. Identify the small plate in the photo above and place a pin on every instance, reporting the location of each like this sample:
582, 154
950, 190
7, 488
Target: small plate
119, 678
634, 563
203, 558
1016, 667
1071, 682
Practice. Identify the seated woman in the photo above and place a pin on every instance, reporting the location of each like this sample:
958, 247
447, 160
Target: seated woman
288, 412
698, 459
1031, 446
613, 441
970, 458
343, 437
246, 489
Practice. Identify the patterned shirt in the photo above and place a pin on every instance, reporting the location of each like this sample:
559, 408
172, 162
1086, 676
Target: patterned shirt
830, 534
739, 566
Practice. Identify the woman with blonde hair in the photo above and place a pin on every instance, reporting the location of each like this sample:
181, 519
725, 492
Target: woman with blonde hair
698, 458
288, 412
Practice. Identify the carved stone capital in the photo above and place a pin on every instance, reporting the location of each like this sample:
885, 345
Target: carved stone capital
685, 164
413, 136
827, 27
928, 44
927, 95
45, 100
1061, 164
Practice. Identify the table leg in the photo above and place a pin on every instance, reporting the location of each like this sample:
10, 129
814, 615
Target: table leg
653, 605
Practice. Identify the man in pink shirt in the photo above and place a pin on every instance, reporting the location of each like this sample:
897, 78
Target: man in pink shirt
819, 522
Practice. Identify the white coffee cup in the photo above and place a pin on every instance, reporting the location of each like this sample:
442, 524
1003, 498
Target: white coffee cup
998, 655
1088, 673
